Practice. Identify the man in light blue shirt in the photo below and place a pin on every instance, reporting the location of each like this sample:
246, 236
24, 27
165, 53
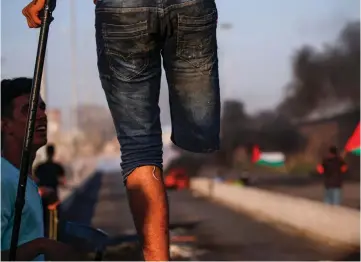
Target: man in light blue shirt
32, 216
31, 245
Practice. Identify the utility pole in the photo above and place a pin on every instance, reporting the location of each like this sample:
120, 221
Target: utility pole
73, 110
40, 156
73, 36
44, 82
223, 27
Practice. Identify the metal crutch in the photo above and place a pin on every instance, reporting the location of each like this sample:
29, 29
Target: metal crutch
33, 104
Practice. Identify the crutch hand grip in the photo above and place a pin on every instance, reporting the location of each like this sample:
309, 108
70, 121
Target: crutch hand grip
49, 5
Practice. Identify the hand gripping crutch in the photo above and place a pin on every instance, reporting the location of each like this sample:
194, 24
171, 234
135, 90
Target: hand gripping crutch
33, 105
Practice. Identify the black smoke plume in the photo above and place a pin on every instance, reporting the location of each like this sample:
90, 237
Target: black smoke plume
325, 78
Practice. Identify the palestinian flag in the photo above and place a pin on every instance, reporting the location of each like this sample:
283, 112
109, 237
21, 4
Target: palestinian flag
270, 159
353, 144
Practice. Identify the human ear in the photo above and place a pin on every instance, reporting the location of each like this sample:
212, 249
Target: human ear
5, 125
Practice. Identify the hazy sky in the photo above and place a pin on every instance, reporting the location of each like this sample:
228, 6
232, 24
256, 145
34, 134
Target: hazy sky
255, 55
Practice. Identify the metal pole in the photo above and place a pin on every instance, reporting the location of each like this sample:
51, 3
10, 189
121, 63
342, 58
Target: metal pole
30, 126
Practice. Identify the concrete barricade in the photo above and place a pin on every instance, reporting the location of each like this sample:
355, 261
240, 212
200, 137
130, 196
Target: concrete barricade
335, 225
83, 171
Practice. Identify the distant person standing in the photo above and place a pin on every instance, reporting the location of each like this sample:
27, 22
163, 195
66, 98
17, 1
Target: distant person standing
333, 168
49, 175
245, 177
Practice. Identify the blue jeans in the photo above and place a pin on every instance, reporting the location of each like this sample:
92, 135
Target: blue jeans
132, 36
333, 196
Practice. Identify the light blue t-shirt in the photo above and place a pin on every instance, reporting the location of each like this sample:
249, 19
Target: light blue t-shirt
32, 226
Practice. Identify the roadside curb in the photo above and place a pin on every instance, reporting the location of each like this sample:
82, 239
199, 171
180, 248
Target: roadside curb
68, 199
335, 226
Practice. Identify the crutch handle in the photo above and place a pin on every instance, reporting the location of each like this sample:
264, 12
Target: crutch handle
50, 4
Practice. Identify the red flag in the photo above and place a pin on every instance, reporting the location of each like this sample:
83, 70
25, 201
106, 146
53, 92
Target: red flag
256, 154
353, 144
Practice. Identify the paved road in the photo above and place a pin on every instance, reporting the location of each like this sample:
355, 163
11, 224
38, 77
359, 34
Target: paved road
225, 234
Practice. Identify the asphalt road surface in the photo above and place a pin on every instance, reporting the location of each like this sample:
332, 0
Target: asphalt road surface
221, 233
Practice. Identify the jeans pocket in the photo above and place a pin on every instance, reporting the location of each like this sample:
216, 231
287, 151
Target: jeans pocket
127, 49
196, 38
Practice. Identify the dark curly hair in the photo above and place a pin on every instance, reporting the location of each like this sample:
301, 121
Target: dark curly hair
11, 89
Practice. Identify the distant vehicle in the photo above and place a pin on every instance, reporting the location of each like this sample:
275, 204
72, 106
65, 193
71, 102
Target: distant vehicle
177, 179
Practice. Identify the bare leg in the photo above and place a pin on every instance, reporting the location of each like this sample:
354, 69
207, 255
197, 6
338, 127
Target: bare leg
149, 206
